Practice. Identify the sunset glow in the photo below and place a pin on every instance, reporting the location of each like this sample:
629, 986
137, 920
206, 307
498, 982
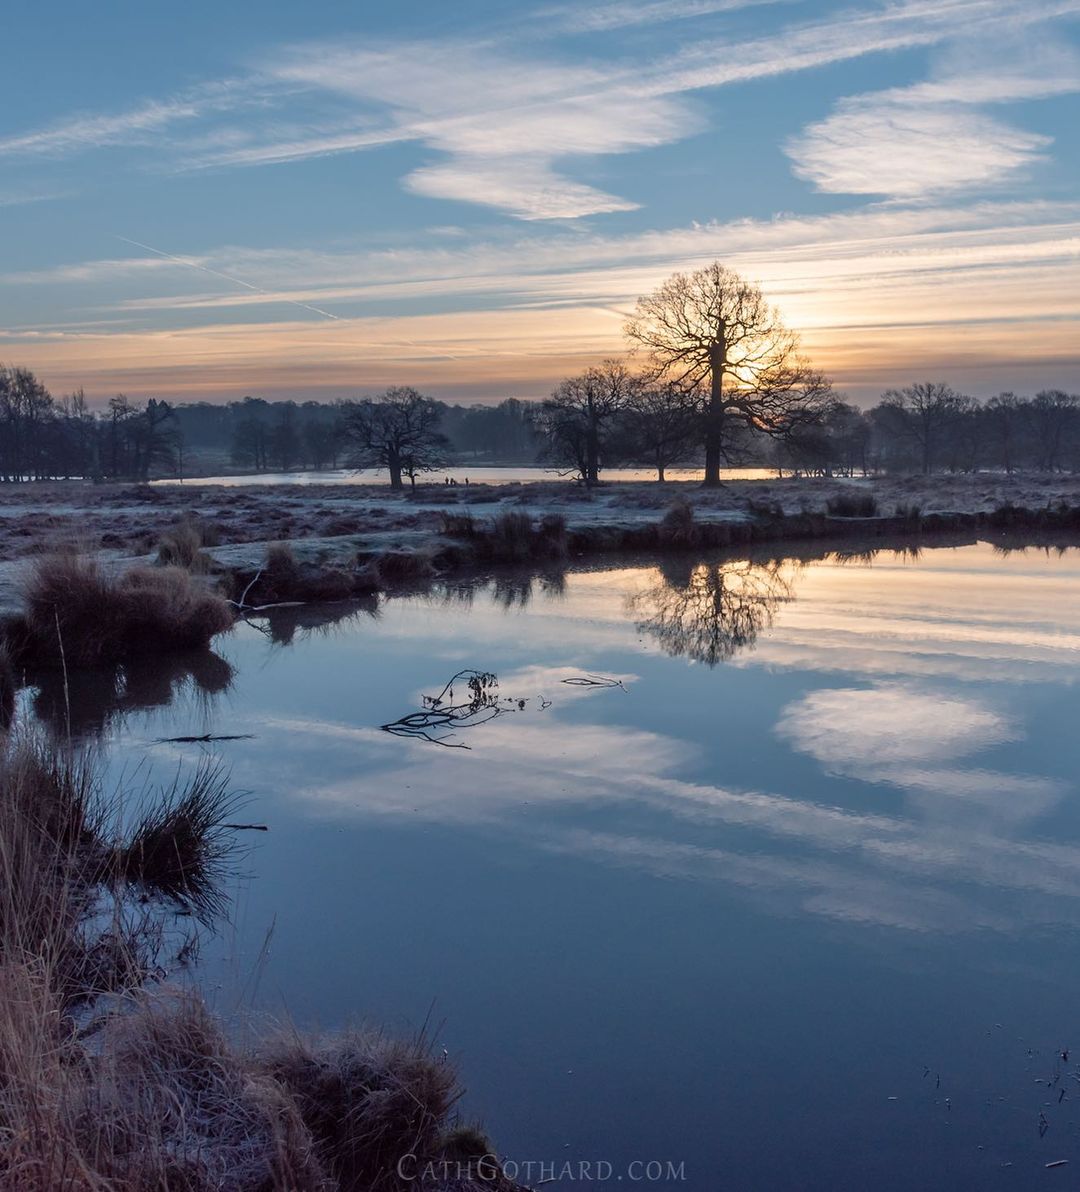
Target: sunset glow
330, 211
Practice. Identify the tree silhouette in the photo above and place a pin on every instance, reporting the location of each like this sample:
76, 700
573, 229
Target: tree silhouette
662, 423
398, 431
924, 411
714, 335
577, 415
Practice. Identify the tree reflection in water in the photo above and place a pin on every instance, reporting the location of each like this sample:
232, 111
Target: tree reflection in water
710, 611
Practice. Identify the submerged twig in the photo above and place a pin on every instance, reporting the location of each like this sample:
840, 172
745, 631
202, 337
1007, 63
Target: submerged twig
441, 712
204, 738
593, 681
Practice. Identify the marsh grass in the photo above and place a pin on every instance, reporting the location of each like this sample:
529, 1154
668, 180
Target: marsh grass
678, 527
108, 1084
367, 1101
852, 505
9, 685
182, 546
77, 615
402, 567
179, 846
510, 537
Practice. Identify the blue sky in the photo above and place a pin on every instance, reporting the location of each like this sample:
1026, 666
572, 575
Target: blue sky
212, 200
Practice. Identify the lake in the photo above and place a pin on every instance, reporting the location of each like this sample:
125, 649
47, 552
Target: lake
780, 889
478, 475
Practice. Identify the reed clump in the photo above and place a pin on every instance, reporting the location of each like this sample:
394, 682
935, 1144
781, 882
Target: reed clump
182, 546
108, 1087
78, 615
852, 505
678, 527
400, 567
510, 537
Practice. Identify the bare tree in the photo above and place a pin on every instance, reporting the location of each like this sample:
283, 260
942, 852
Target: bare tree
837, 445
713, 334
1005, 426
26, 408
398, 431
579, 412
925, 413
662, 423
1052, 417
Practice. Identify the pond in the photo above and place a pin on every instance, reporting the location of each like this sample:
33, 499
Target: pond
785, 896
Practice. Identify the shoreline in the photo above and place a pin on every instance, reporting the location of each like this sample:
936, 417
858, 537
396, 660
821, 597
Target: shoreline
338, 542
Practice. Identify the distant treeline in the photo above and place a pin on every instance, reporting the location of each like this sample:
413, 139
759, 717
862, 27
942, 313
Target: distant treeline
604, 419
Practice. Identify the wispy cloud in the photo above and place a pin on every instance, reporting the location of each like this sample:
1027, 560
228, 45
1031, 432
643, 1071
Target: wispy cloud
932, 137
504, 121
880, 289
138, 125
602, 18
908, 150
19, 197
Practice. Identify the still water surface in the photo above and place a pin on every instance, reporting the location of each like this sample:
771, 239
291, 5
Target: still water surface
477, 475
794, 906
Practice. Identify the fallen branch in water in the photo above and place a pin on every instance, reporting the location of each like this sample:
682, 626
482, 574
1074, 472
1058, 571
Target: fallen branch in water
247, 827
441, 712
204, 739
594, 681
243, 606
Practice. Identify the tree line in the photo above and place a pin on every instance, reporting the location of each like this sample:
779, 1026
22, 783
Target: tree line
45, 438
713, 379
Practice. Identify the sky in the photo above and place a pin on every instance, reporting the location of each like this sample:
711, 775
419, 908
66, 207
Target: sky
203, 201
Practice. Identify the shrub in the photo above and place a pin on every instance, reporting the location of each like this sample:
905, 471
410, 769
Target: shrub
79, 616
908, 511
182, 547
403, 567
677, 527
852, 505
457, 525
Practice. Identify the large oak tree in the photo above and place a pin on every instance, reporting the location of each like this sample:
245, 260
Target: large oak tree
714, 335
398, 431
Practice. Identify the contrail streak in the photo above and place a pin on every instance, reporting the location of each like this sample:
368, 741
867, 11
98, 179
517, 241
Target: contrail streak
236, 281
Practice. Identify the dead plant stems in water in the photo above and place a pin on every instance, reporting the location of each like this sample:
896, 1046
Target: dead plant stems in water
441, 712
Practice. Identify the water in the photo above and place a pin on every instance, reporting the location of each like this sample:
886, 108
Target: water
510, 475
794, 906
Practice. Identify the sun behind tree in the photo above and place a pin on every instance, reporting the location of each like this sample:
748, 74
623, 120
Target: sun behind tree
714, 335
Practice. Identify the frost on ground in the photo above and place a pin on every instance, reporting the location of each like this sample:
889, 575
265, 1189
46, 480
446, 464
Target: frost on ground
125, 522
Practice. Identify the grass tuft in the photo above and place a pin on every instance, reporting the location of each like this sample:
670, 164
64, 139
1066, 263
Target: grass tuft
182, 546
77, 615
179, 847
677, 527
367, 1101
403, 567
852, 505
